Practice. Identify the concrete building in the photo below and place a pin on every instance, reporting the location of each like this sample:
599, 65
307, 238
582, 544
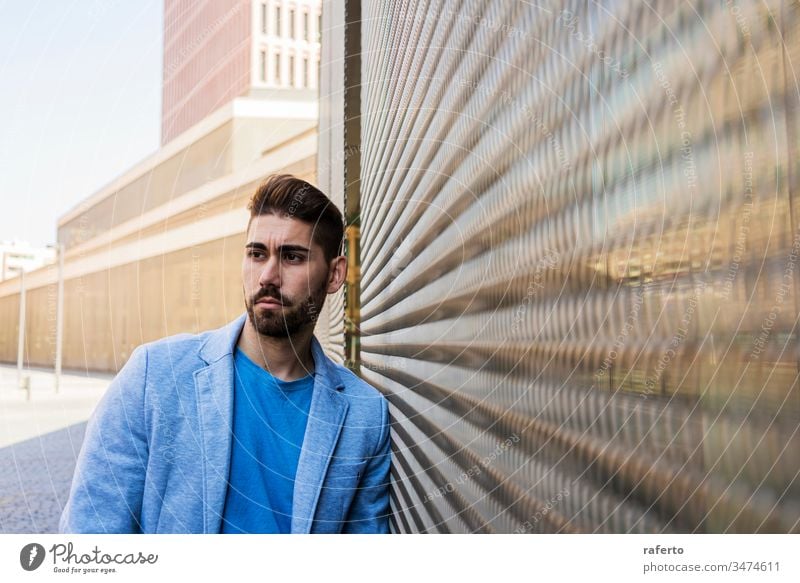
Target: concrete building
217, 51
158, 250
18, 255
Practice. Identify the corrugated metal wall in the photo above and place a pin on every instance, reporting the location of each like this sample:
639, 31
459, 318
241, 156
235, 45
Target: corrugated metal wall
579, 245
331, 154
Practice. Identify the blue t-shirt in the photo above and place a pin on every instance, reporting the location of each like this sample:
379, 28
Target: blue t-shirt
269, 422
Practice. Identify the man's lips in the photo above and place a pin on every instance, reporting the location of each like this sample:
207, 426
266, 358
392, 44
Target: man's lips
269, 302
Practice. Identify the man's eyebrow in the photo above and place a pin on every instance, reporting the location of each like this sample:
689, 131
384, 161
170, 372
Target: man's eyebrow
281, 248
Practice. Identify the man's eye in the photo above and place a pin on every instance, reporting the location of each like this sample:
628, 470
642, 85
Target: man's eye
255, 254
293, 257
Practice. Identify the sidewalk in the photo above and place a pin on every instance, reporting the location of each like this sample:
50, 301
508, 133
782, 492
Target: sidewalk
39, 443
47, 411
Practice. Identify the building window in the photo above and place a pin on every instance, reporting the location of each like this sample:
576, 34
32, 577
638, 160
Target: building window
263, 18
305, 81
291, 71
306, 25
264, 66
278, 20
277, 68
291, 23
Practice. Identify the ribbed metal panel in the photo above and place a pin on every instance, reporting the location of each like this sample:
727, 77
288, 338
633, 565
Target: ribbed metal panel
332, 153
578, 249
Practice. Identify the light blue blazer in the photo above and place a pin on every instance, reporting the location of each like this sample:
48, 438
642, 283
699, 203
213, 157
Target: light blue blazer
156, 454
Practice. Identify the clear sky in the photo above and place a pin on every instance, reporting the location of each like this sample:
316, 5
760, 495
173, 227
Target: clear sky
80, 103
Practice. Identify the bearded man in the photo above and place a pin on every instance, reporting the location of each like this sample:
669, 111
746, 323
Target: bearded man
249, 428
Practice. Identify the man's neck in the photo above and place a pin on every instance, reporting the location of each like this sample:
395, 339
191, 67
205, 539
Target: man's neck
288, 359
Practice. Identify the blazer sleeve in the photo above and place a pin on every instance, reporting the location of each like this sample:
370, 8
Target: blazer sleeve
108, 483
369, 511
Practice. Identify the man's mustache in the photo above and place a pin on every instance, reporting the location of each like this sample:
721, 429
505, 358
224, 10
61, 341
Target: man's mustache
269, 293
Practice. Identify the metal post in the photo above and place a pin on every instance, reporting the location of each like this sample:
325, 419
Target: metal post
352, 181
21, 345
59, 313
26, 386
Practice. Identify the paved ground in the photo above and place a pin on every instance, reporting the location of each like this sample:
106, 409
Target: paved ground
35, 477
39, 441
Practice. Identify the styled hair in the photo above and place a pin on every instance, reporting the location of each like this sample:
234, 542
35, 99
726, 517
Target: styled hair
285, 195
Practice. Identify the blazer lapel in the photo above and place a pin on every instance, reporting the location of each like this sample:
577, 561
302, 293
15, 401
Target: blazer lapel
214, 390
325, 418
214, 386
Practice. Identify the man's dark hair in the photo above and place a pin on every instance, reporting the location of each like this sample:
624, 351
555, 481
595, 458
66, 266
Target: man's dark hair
284, 195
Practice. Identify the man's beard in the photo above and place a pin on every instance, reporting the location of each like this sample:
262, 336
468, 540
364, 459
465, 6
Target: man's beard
286, 321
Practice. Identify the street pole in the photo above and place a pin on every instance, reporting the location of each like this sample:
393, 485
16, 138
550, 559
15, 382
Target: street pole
59, 313
21, 345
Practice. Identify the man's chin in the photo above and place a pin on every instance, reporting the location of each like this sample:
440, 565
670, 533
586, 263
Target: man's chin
283, 322
273, 332
272, 325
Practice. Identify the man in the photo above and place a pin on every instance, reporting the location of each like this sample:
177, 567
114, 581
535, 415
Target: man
249, 428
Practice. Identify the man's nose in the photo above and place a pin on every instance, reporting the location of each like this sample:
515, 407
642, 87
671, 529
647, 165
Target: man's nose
270, 272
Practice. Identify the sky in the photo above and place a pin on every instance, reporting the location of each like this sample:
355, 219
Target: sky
80, 103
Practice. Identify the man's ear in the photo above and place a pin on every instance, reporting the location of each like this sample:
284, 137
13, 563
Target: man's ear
337, 272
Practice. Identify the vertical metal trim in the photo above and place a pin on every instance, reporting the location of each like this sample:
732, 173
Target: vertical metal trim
352, 178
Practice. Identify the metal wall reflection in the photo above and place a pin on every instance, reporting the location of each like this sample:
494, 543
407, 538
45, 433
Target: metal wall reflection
579, 247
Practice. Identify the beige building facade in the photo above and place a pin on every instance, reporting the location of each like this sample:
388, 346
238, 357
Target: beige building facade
158, 250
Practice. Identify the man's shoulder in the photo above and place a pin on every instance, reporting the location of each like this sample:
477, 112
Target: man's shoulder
177, 350
355, 384
176, 344
356, 387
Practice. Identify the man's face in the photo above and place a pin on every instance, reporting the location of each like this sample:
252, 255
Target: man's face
285, 276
